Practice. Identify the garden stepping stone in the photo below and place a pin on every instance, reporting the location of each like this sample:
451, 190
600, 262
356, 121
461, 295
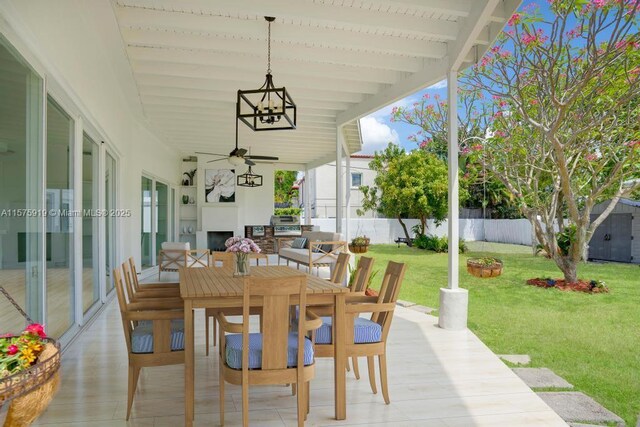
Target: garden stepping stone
517, 359
541, 378
573, 406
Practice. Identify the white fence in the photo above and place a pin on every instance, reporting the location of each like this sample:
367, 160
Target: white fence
515, 231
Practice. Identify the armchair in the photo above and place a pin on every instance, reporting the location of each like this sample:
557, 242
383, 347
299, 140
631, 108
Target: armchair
274, 356
154, 335
366, 337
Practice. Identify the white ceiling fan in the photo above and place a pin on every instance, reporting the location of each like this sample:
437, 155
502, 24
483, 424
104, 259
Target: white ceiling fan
238, 156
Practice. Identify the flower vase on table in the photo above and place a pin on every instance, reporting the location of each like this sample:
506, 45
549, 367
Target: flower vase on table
241, 264
241, 248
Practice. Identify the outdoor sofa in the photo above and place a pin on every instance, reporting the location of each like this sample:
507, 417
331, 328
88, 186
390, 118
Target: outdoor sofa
320, 249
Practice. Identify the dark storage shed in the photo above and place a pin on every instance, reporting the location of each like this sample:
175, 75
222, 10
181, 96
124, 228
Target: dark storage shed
618, 237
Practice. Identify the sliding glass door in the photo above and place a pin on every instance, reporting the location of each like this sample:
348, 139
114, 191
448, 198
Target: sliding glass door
110, 226
147, 250
59, 221
90, 225
21, 190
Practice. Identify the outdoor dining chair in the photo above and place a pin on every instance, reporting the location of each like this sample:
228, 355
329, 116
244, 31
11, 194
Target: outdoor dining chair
275, 355
366, 337
340, 268
154, 334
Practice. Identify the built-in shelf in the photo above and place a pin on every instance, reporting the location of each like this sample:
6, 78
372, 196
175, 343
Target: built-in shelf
188, 218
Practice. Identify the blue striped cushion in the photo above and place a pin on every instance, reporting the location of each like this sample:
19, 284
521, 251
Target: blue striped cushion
234, 351
364, 331
142, 336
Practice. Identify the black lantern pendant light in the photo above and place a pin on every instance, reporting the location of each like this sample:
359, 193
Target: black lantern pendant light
267, 108
249, 179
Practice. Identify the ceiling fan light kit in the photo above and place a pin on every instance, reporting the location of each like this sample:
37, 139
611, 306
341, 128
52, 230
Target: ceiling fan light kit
269, 107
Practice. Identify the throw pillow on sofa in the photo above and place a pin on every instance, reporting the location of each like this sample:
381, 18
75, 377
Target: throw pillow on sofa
299, 243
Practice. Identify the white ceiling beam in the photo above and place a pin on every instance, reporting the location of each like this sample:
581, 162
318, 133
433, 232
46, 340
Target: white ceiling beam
330, 15
197, 43
310, 115
330, 107
202, 89
216, 115
470, 29
414, 82
246, 79
222, 26
231, 62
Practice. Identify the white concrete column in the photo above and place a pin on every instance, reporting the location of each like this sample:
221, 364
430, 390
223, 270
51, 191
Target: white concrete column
453, 300
339, 185
347, 196
306, 197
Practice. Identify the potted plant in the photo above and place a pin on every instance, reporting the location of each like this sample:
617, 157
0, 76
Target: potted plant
359, 245
484, 267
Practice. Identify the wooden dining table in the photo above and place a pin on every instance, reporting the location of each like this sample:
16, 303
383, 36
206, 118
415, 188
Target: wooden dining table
218, 288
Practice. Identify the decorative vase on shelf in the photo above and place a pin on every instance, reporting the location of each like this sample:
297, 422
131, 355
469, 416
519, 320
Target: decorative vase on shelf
241, 264
185, 199
190, 229
192, 200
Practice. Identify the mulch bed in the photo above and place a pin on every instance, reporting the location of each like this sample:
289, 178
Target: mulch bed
579, 286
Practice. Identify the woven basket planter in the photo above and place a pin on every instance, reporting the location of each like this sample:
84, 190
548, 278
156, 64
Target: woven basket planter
482, 270
30, 391
358, 249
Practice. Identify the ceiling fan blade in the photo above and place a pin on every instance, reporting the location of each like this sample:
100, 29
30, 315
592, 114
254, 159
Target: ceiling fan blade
211, 154
262, 157
217, 160
241, 152
248, 162
233, 152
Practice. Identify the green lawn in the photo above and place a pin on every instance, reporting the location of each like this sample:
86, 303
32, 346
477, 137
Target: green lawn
593, 341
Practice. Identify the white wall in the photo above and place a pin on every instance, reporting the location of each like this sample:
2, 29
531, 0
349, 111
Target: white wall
515, 231
77, 46
253, 206
325, 188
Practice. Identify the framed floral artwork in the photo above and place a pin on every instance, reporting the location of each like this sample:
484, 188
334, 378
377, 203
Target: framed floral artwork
220, 186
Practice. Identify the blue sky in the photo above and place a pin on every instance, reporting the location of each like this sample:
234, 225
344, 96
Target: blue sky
378, 130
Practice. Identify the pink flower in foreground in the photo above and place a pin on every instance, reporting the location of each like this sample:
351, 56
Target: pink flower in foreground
515, 19
12, 349
599, 4
36, 329
591, 157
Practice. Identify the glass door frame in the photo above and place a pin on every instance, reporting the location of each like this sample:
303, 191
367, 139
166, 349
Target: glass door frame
170, 231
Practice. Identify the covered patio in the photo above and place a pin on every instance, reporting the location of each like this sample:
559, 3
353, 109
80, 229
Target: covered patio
437, 378
150, 87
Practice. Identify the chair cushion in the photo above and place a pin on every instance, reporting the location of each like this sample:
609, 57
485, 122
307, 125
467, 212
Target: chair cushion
299, 242
233, 351
173, 246
142, 336
364, 331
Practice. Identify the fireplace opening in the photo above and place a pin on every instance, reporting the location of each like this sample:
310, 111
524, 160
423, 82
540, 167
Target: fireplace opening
216, 239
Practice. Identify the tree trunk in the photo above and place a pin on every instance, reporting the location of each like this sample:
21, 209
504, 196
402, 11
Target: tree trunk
406, 232
569, 268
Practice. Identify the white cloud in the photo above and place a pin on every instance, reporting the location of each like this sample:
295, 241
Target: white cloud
440, 85
376, 134
385, 112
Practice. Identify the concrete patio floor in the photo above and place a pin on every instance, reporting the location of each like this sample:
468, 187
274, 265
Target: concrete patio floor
437, 378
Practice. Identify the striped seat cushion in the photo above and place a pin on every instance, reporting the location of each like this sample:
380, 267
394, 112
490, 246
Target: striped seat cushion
233, 351
142, 336
364, 331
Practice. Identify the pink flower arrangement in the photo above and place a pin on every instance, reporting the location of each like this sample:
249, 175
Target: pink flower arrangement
243, 245
515, 19
18, 353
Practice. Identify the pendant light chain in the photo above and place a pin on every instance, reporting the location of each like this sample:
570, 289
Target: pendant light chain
269, 50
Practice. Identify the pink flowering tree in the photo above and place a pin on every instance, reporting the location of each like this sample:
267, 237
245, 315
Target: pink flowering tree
565, 128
